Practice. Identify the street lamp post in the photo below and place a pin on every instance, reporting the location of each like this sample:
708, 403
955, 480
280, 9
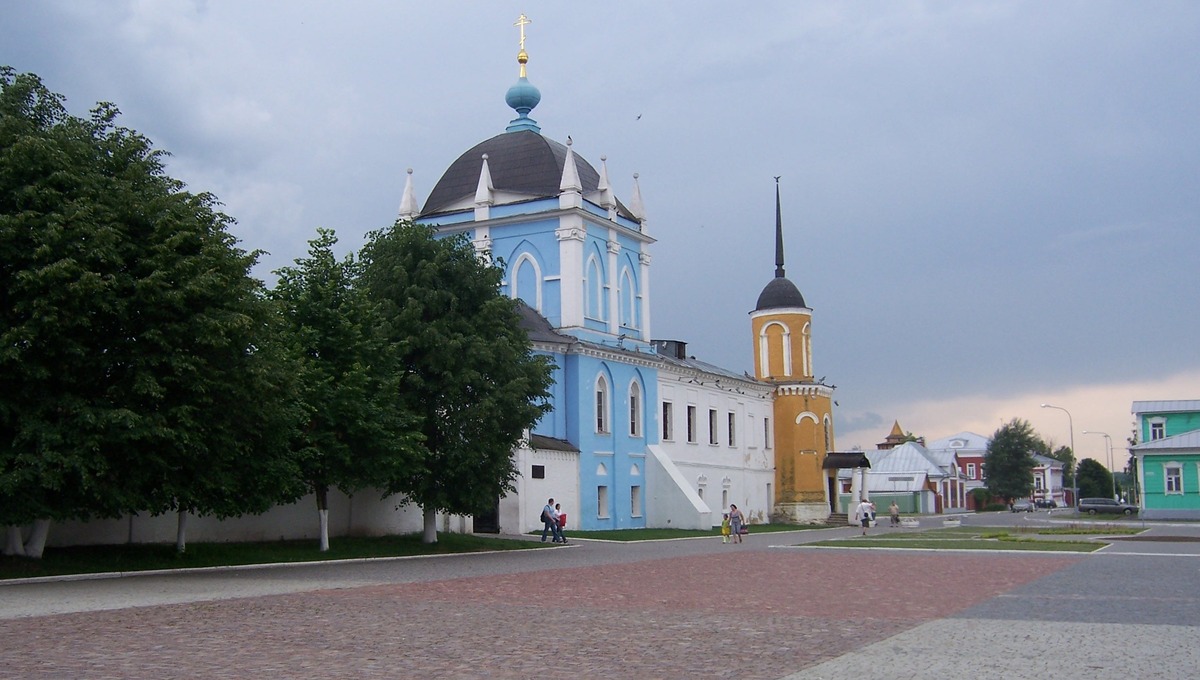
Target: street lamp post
1071, 427
1108, 447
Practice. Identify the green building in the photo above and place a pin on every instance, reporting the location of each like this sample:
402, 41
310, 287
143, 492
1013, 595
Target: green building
1168, 458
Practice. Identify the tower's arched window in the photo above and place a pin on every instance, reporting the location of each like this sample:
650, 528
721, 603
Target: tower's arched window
806, 348
775, 350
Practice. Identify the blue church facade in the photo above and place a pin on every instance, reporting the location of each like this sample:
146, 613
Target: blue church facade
579, 258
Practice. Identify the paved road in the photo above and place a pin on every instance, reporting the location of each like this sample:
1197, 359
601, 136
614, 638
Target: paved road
694, 608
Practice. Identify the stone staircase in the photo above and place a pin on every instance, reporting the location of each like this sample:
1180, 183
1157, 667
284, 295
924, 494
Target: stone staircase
838, 519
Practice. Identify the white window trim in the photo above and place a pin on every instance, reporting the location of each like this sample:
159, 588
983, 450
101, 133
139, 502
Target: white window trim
1181, 490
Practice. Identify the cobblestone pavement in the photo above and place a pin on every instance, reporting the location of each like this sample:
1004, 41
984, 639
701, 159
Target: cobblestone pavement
691, 610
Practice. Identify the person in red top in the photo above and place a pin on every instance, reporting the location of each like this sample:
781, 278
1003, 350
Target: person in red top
562, 521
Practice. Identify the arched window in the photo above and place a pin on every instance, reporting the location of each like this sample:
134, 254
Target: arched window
593, 289
628, 297
601, 404
527, 281
635, 409
777, 363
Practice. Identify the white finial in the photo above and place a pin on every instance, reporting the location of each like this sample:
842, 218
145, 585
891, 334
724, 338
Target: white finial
606, 199
408, 203
570, 176
635, 202
483, 191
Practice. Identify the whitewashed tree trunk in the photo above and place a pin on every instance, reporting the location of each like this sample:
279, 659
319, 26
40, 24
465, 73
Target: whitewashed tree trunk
37, 538
430, 517
14, 546
324, 512
181, 532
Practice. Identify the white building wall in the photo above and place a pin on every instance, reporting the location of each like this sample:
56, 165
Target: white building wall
520, 511
366, 514
720, 474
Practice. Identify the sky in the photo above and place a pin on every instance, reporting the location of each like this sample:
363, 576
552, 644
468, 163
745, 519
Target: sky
987, 205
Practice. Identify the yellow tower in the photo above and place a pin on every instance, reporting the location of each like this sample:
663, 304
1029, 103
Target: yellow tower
782, 326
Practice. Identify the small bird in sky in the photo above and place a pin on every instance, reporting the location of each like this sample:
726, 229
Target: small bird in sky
639, 117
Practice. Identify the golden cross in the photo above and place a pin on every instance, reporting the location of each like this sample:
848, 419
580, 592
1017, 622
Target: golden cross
522, 22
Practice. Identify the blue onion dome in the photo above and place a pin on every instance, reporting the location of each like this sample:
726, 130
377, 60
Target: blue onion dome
523, 97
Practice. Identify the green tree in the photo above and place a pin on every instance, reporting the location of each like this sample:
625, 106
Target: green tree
467, 371
1066, 456
1095, 481
356, 433
1008, 465
138, 368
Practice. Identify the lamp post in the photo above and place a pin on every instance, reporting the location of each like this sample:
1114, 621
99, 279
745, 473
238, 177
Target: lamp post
1071, 434
1108, 447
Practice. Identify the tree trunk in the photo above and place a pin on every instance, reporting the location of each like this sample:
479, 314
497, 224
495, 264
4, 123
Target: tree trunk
430, 517
322, 495
14, 546
181, 532
37, 538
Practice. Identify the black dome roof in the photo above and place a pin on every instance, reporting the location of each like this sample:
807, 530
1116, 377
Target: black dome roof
522, 162
780, 292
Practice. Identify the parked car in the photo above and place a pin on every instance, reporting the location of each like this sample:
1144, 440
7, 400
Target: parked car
1045, 503
1093, 506
1021, 505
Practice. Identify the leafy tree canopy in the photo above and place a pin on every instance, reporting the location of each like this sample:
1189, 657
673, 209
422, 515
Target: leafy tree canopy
1095, 481
356, 433
466, 368
1008, 466
138, 368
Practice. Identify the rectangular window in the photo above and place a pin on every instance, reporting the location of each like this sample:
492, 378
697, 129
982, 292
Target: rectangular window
766, 433
724, 498
1157, 431
538, 472
1174, 477
732, 428
750, 430
668, 421
602, 502
1037, 482
970, 471
691, 424
712, 426
635, 501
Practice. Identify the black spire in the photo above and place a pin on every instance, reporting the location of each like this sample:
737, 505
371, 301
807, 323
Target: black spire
778, 235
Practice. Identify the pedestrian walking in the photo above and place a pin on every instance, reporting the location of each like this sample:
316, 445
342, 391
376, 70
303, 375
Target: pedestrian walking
725, 528
549, 521
894, 511
736, 521
562, 522
862, 515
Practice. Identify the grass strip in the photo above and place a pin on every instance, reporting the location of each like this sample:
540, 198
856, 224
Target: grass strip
668, 534
145, 557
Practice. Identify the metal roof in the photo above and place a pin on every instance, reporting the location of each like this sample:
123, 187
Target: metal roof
1166, 406
1176, 443
522, 162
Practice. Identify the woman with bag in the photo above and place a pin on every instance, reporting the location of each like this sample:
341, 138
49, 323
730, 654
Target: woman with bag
736, 520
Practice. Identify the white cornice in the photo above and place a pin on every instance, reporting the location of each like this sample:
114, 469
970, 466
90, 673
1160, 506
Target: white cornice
553, 213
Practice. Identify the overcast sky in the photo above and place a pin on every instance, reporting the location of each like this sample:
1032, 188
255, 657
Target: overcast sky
988, 206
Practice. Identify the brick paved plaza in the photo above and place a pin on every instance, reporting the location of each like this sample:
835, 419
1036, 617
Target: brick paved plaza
669, 610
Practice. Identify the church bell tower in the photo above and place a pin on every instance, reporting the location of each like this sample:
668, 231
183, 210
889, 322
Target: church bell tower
781, 324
